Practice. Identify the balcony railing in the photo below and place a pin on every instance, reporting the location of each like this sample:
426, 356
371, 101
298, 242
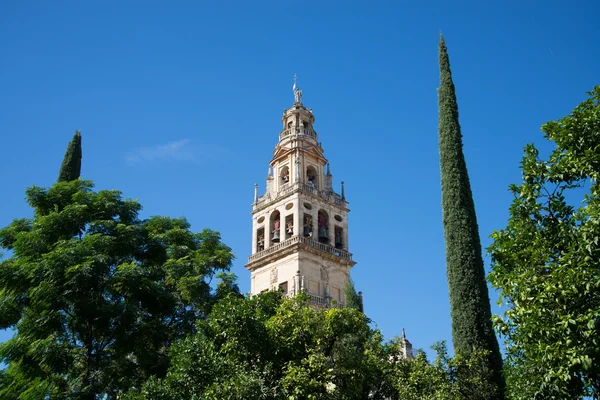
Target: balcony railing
298, 132
318, 301
324, 302
325, 195
289, 188
296, 240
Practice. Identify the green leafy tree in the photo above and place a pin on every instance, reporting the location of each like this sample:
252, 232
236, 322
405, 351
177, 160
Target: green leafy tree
456, 378
273, 348
323, 349
469, 298
95, 295
230, 357
70, 168
545, 264
267, 347
353, 299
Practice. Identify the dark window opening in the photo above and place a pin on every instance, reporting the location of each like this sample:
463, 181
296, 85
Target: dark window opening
308, 225
275, 227
283, 287
289, 226
260, 239
339, 238
323, 222
311, 176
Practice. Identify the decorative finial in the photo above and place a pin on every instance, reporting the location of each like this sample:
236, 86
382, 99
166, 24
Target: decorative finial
403, 334
343, 192
256, 193
328, 170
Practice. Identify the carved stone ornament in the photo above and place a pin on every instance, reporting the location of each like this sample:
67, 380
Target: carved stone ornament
273, 276
324, 274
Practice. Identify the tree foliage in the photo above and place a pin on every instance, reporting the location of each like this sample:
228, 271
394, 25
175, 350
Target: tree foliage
353, 299
70, 168
456, 378
469, 298
546, 263
105, 305
96, 296
267, 347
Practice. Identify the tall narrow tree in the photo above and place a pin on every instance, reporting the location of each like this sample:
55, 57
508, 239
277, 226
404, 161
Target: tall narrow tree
469, 297
353, 299
71, 165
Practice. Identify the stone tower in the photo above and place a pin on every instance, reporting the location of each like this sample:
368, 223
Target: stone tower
300, 225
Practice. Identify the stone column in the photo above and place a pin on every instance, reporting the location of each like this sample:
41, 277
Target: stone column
254, 236
298, 223
268, 229
297, 282
281, 223
331, 223
315, 223
297, 167
345, 232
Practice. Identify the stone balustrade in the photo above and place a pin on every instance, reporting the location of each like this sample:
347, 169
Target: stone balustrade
318, 301
288, 188
297, 132
297, 240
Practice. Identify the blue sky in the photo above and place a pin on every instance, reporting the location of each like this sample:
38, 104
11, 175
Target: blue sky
179, 104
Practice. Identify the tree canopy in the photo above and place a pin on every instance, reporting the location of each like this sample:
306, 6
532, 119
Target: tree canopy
545, 263
97, 296
267, 347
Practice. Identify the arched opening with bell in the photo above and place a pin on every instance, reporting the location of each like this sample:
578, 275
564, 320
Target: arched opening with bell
289, 226
308, 225
275, 227
260, 239
311, 177
323, 221
284, 174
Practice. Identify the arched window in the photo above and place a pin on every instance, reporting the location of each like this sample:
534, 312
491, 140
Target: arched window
308, 225
289, 226
284, 174
311, 177
260, 239
275, 222
323, 222
339, 237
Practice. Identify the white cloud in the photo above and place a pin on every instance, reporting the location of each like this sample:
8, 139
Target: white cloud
180, 151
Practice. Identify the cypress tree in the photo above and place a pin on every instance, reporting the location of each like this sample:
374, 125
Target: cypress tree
353, 299
469, 297
70, 169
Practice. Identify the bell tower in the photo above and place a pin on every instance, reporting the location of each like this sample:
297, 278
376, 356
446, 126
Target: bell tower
300, 225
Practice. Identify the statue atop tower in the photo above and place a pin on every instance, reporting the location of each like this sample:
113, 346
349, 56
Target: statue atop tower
297, 92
